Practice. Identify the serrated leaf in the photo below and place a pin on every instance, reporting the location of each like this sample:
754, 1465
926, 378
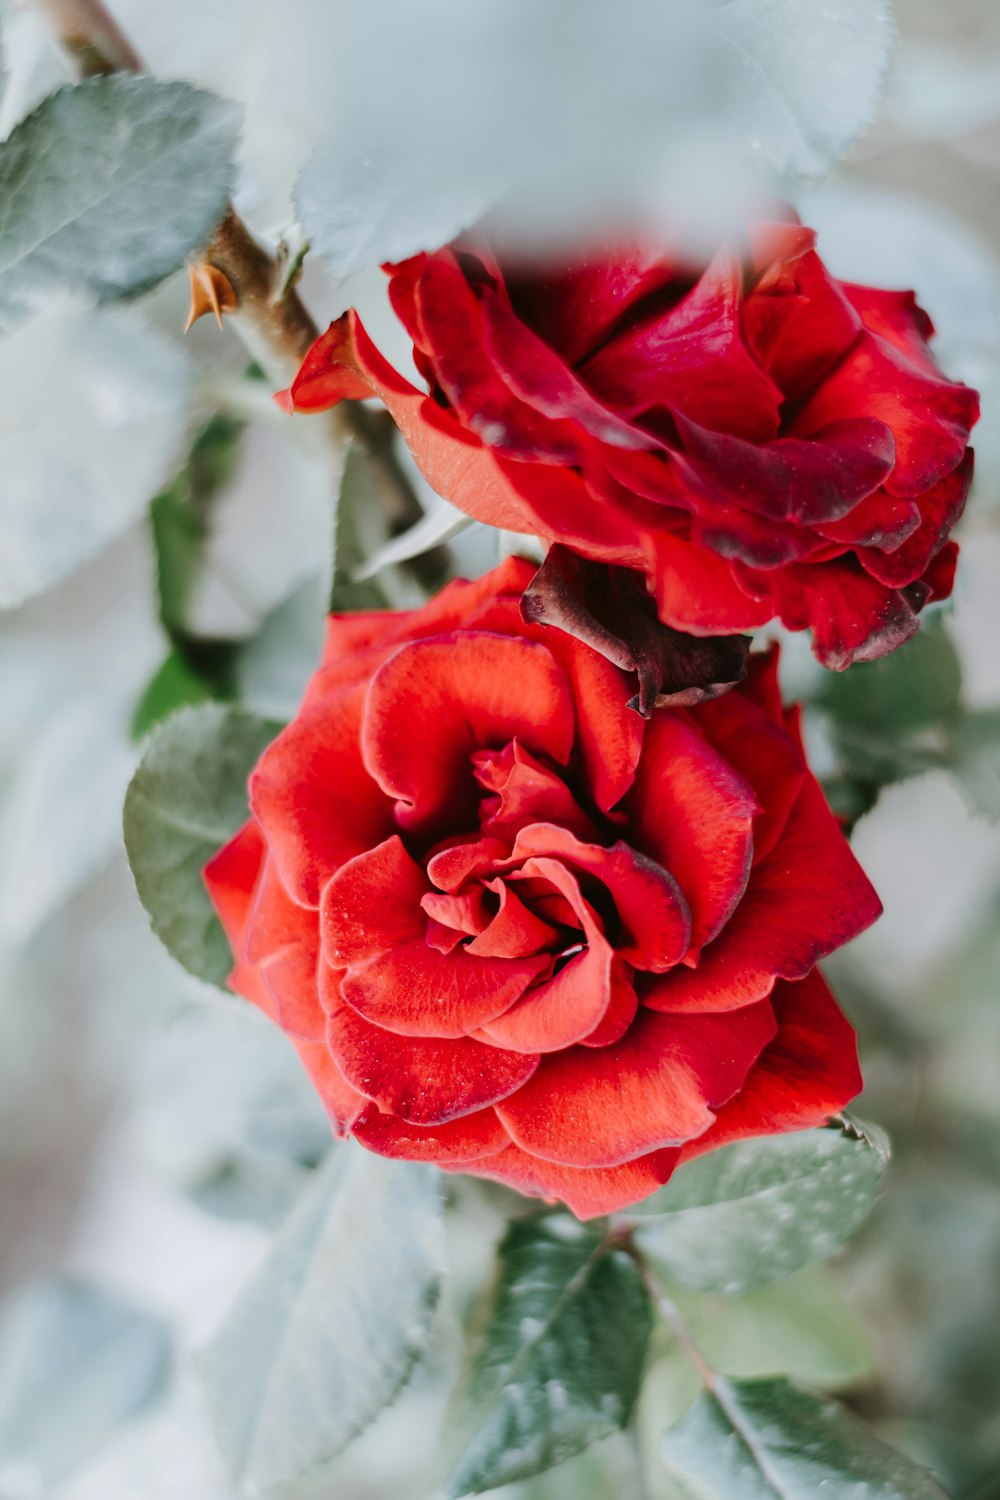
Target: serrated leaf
760, 1209
571, 114
94, 407
975, 762
766, 1440
108, 186
329, 1329
187, 798
75, 1362
559, 1363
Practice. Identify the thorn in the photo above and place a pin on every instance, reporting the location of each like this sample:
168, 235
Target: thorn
211, 291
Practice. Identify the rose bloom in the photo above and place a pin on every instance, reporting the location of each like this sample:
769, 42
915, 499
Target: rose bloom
761, 439
516, 929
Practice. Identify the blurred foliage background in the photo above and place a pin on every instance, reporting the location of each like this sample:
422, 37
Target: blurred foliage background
152, 1134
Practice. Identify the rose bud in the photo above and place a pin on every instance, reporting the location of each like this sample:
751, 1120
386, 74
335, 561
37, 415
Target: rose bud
518, 930
760, 439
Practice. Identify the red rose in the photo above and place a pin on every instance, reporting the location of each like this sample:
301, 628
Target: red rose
758, 437
517, 930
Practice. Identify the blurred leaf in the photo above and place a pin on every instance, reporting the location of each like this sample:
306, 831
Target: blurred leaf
108, 186
572, 113
94, 407
808, 81
188, 797
75, 1362
61, 807
439, 525
918, 685
890, 719
180, 516
329, 1329
765, 1440
800, 1327
559, 1363
359, 531
758, 1210
174, 685
975, 762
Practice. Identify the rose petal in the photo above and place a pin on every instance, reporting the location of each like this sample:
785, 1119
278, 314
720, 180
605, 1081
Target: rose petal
454, 1144
657, 1087
434, 703
587, 1192
315, 801
230, 878
693, 814
804, 1076
372, 904
425, 1081
807, 898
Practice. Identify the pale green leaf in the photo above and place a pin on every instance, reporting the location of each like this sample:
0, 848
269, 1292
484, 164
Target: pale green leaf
760, 1209
766, 1440
329, 1329
188, 797
75, 1362
108, 186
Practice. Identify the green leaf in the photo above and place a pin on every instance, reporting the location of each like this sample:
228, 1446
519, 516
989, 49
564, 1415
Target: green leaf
188, 797
559, 1363
760, 1209
108, 186
329, 1329
766, 1440
174, 685
975, 762
885, 713
75, 1362
180, 517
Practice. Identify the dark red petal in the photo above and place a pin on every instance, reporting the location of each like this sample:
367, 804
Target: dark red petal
283, 941
575, 309
693, 814
930, 416
940, 509
563, 1010
818, 334
853, 617
230, 878
658, 1086
455, 1144
425, 1081
588, 1193
808, 897
882, 520
541, 378
692, 359
763, 754
453, 865
808, 1072
418, 991
699, 592
372, 904
805, 480
451, 320
314, 800
435, 702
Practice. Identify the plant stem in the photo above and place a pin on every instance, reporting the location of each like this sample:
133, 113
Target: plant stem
674, 1318
277, 329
